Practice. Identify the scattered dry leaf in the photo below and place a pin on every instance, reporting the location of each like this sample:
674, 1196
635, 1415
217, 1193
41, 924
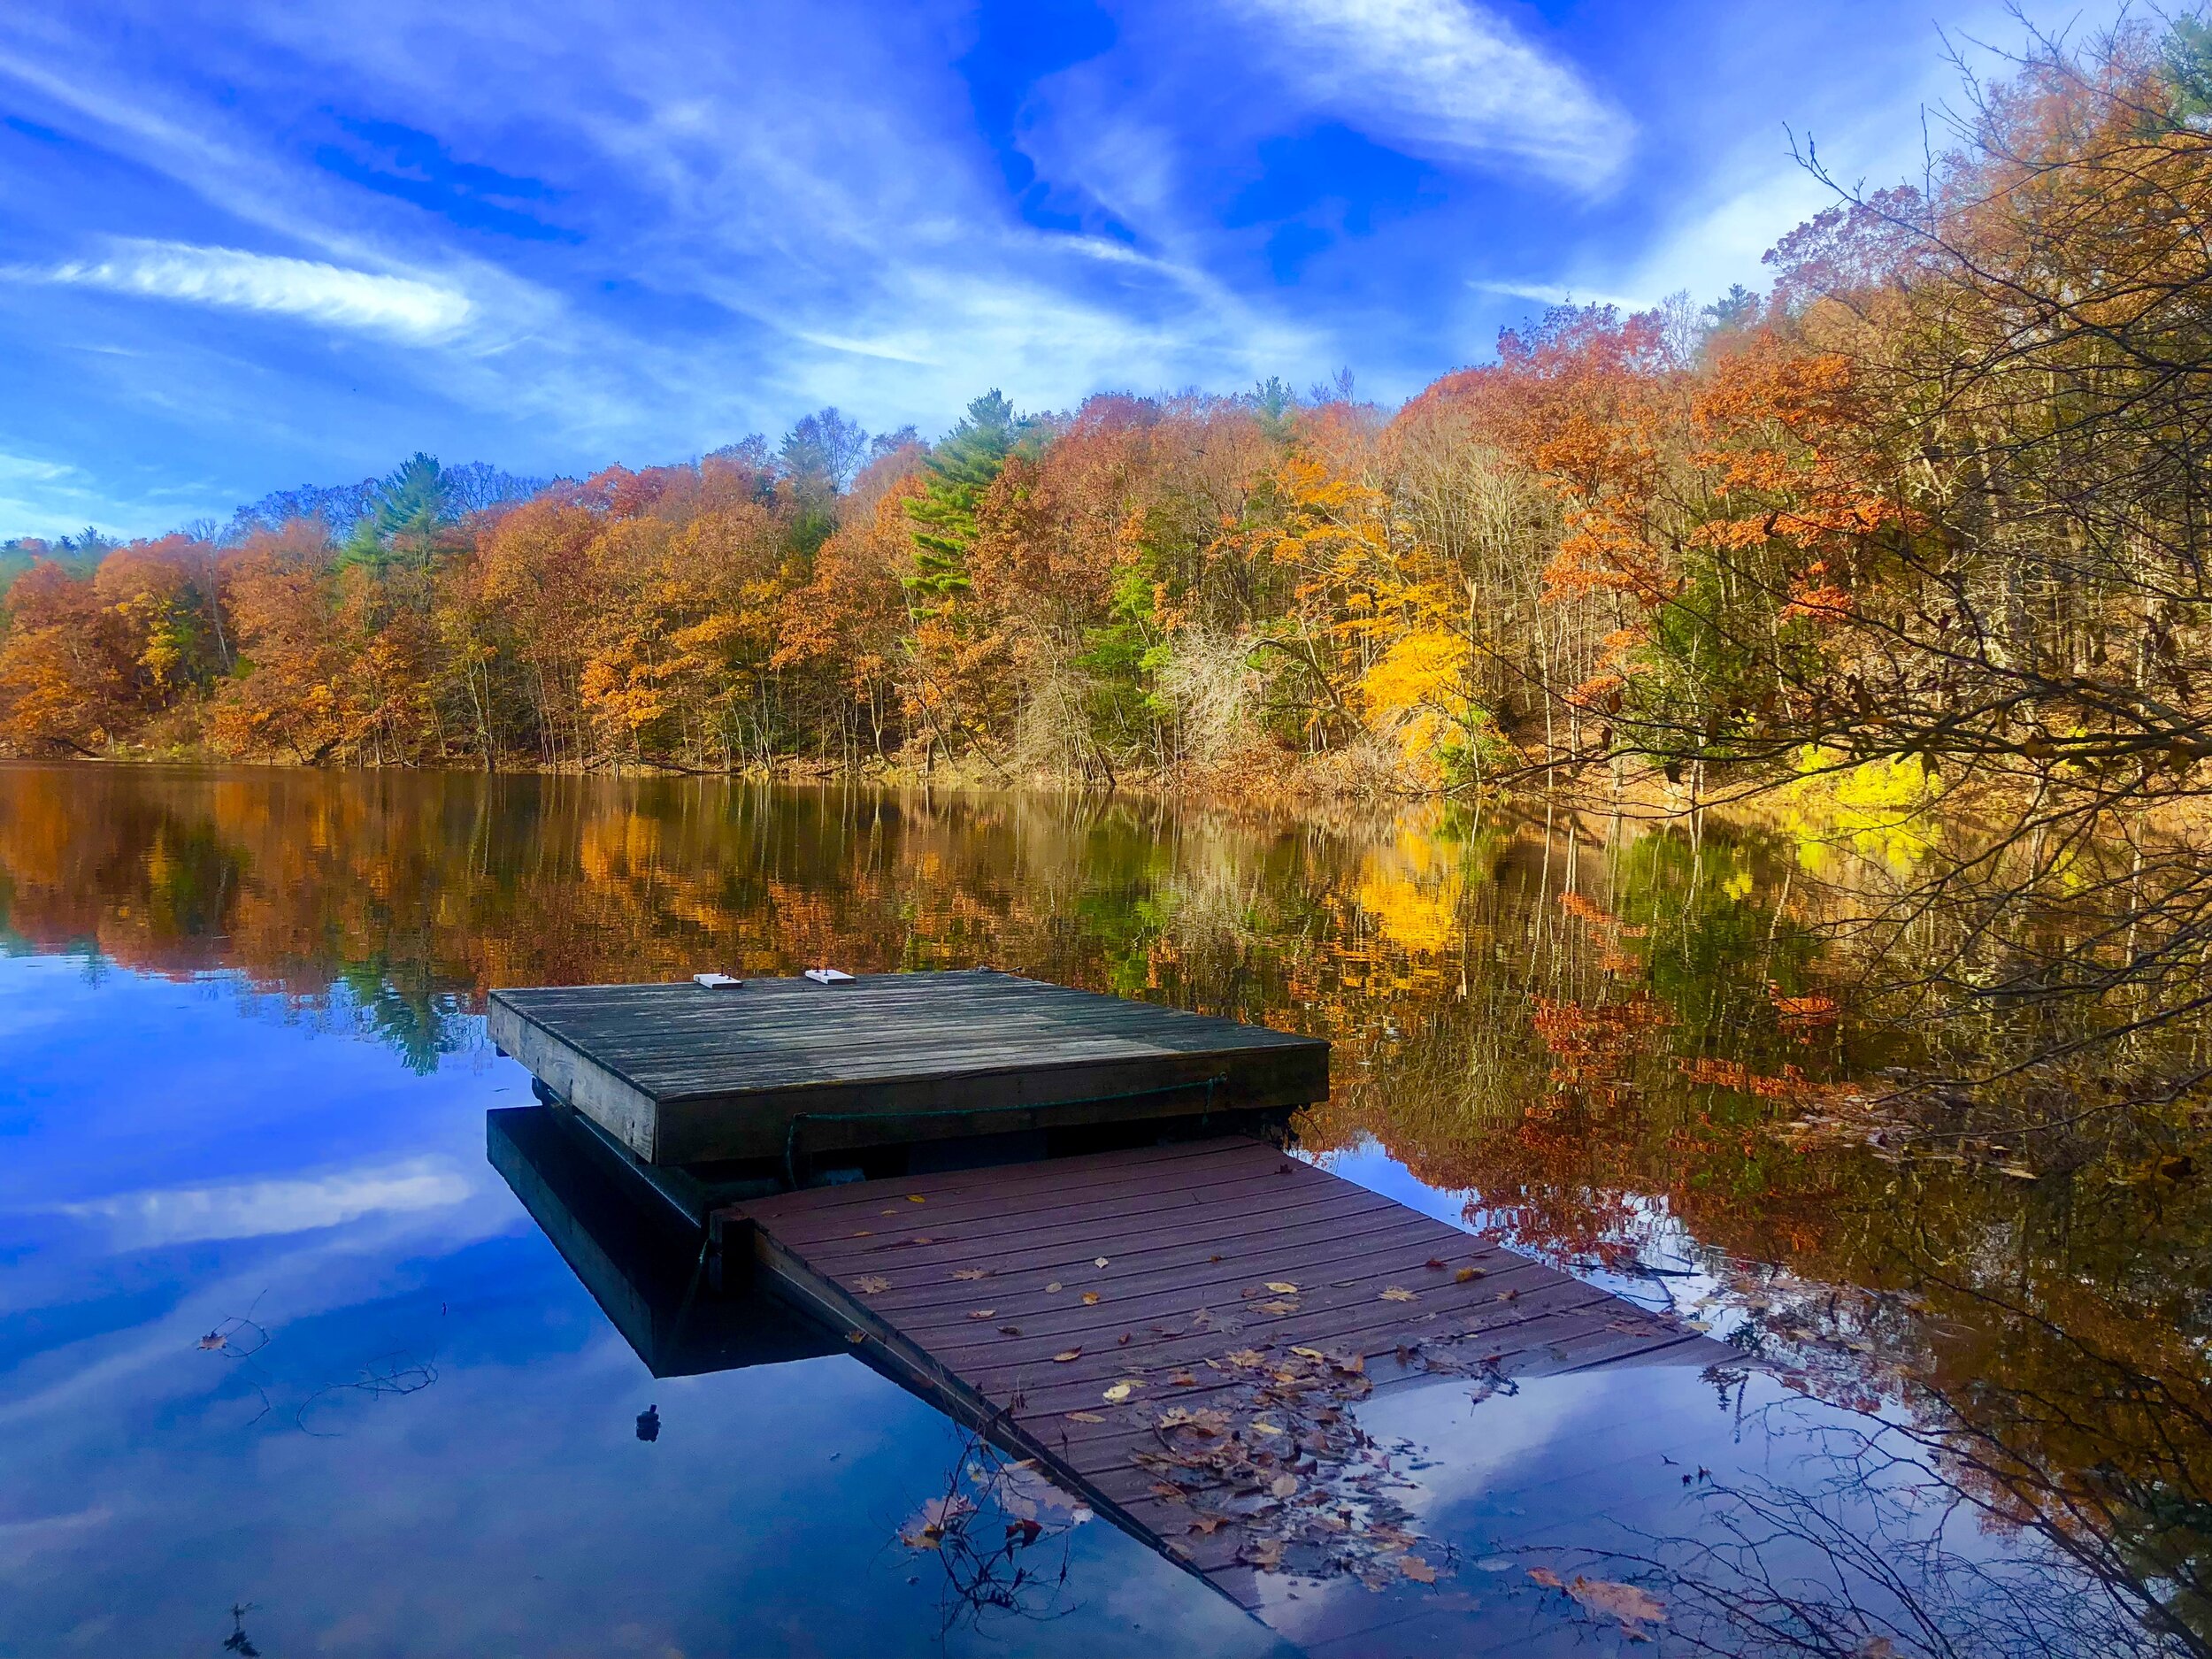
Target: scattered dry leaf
983, 1313
915, 1198
1398, 1293
1090, 1299
1121, 1391
865, 1233
1467, 1274
1101, 1261
1416, 1569
1085, 1417
1435, 1263
1262, 1427
213, 1340
1545, 1577
1283, 1485
1054, 1287
1282, 1287
1066, 1355
1010, 1330
1245, 1357
869, 1284
972, 1272
1207, 1522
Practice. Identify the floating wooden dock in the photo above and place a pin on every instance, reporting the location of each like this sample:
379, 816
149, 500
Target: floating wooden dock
775, 1070
1179, 1332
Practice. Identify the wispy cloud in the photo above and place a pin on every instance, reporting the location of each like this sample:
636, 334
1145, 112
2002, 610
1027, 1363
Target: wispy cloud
231, 277
1555, 293
1443, 77
248, 1209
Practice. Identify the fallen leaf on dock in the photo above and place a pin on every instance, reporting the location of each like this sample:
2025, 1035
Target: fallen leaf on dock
1101, 1261
1054, 1286
1207, 1522
1283, 1485
983, 1313
869, 1284
1090, 1299
1508, 1295
1067, 1355
1085, 1417
1121, 1391
1010, 1330
1185, 1380
915, 1198
1262, 1427
1398, 1293
1246, 1357
865, 1233
1275, 1307
1435, 1264
972, 1272
1282, 1287
1466, 1274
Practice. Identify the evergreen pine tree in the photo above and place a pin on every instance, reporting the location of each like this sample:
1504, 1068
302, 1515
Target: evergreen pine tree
960, 469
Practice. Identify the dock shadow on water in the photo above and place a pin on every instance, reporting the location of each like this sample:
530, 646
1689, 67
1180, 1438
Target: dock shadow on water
1958, 1404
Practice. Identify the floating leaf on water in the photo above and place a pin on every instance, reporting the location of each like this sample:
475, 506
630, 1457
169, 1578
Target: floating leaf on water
1090, 1299
934, 1520
972, 1272
1283, 1485
1466, 1275
214, 1340
869, 1284
1416, 1569
1066, 1355
1209, 1522
1545, 1577
1398, 1293
1263, 1553
1631, 1606
1282, 1287
1085, 1417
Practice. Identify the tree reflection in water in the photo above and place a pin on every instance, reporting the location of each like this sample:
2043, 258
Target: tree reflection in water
1628, 1052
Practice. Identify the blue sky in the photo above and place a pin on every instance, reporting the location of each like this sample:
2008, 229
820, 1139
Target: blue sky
261, 243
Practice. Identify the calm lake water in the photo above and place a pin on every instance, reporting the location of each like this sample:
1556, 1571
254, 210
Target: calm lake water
286, 1368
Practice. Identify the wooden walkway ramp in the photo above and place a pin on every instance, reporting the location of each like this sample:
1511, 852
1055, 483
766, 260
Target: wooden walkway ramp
1182, 1333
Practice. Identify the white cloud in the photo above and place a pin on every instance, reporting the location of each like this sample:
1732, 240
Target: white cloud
328, 293
1442, 77
250, 1209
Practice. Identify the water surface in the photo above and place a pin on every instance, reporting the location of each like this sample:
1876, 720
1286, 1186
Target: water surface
285, 1365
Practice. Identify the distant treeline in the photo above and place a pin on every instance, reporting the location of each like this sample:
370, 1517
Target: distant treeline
1939, 498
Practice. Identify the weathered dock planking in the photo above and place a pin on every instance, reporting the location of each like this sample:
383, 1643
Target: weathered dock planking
1177, 1331
682, 1075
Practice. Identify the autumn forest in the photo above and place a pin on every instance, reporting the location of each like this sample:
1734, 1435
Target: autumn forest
1940, 495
